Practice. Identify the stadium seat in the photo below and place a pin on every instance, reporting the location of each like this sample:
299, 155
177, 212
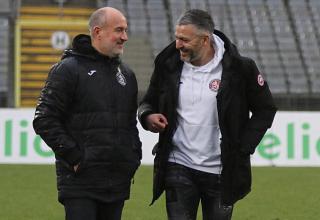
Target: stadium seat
308, 40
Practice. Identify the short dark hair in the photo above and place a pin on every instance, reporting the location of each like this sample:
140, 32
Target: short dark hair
199, 18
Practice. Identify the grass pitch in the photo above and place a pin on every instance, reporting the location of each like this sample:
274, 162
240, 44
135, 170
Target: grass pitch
28, 192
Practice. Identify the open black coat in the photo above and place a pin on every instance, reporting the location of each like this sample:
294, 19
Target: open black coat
242, 90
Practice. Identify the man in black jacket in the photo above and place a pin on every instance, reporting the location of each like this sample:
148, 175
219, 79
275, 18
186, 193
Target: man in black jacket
87, 114
199, 99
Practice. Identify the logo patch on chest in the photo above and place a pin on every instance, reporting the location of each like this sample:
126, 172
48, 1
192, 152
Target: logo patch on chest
120, 78
214, 85
91, 72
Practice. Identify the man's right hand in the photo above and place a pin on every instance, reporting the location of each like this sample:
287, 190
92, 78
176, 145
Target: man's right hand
156, 122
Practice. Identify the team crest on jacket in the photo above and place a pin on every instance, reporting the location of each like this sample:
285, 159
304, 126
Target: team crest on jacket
120, 78
260, 80
214, 85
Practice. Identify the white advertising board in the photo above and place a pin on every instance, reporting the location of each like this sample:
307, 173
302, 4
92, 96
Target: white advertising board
293, 140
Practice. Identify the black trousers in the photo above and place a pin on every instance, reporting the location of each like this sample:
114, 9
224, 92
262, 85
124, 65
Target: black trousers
88, 209
186, 187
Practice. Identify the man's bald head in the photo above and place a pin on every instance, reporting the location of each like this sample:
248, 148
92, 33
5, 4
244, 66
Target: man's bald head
102, 16
108, 29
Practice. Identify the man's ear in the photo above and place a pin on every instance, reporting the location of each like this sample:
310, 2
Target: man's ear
96, 31
207, 39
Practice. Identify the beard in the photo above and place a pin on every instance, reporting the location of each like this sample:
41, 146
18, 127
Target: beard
188, 55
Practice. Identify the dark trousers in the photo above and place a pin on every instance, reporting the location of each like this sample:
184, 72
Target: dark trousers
88, 209
186, 187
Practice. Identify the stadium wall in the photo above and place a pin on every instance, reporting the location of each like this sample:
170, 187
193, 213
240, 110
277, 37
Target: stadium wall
293, 140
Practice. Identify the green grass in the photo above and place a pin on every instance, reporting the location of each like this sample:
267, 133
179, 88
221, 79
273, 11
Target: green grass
28, 192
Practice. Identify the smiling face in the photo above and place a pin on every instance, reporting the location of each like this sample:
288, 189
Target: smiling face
110, 38
190, 43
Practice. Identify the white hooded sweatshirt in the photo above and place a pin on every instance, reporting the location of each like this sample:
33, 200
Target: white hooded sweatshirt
197, 138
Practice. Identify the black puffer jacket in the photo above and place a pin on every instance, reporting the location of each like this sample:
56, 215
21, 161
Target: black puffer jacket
87, 114
242, 90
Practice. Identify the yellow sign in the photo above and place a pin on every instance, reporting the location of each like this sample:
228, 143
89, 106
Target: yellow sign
40, 44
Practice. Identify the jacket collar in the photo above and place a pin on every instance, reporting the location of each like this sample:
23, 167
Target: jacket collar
81, 46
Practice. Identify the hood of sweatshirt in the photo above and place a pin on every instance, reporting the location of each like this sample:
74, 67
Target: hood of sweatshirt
215, 61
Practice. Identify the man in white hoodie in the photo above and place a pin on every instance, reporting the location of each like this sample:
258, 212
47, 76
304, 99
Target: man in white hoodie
199, 99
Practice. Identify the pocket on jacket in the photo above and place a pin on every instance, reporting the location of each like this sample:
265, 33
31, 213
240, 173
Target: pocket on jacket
82, 164
62, 168
80, 168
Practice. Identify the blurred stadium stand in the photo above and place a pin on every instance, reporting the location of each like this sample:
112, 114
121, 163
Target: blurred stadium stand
7, 16
282, 36
4, 56
159, 25
138, 56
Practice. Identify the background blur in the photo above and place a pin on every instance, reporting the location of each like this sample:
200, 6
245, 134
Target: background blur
282, 36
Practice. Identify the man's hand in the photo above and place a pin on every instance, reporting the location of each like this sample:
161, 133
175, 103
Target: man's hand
156, 122
75, 167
